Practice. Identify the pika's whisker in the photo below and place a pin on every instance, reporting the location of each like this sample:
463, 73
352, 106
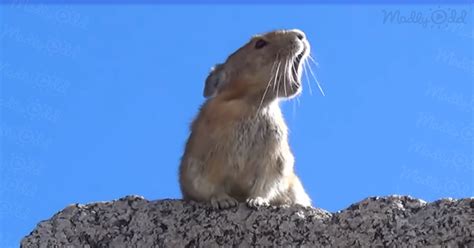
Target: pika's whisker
277, 59
294, 71
276, 79
305, 72
316, 80
287, 64
312, 60
266, 89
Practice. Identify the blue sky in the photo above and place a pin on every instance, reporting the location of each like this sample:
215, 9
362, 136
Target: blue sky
96, 101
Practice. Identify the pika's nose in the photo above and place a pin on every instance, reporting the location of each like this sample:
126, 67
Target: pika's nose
299, 34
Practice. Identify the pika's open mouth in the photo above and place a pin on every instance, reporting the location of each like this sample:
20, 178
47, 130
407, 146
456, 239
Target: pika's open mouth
296, 69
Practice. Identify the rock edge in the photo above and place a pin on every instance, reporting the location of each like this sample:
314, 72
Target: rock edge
132, 221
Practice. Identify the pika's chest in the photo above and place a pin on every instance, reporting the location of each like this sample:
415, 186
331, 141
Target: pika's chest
252, 135
253, 140
253, 150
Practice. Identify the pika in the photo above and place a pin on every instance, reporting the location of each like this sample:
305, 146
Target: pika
238, 147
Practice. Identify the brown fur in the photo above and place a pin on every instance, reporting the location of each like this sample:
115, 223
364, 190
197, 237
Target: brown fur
238, 147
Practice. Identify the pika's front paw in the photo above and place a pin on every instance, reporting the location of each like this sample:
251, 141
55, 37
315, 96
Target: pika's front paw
223, 202
257, 202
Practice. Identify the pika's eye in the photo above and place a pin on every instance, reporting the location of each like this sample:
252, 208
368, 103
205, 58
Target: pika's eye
260, 43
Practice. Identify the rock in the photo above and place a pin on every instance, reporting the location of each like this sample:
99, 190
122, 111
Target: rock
394, 221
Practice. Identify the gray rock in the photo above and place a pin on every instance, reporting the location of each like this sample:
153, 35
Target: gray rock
394, 221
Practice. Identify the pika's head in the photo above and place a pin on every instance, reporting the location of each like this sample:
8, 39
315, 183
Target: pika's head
268, 67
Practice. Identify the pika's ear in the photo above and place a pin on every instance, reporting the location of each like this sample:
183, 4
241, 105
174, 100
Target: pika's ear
217, 77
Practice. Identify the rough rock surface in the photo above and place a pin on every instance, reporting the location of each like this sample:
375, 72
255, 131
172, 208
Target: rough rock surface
394, 221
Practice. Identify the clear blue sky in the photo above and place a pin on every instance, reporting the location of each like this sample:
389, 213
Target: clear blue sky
96, 101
